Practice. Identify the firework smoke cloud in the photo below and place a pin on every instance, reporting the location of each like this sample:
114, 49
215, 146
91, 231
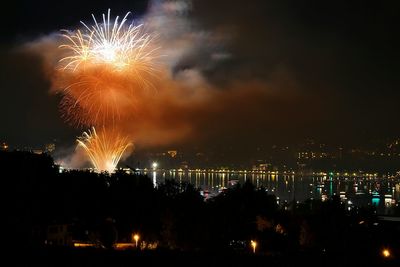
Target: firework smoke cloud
146, 81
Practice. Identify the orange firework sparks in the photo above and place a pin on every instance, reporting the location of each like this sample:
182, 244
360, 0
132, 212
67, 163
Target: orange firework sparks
104, 149
99, 97
107, 67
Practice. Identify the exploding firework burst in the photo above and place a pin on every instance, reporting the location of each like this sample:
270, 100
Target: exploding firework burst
108, 65
104, 149
109, 42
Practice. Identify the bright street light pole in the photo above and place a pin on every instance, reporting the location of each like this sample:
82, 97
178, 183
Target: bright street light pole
254, 245
136, 238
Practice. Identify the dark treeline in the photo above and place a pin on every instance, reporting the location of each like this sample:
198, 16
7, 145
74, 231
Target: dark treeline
109, 208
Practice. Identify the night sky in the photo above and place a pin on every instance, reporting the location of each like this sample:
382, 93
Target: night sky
276, 71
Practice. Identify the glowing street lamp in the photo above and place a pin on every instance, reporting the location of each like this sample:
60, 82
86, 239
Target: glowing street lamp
254, 245
136, 238
154, 165
386, 253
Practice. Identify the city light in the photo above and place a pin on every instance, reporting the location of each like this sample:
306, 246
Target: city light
185, 132
254, 245
154, 165
123, 246
4, 146
386, 253
83, 245
136, 238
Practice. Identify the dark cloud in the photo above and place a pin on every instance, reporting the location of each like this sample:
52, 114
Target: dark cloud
329, 42
340, 56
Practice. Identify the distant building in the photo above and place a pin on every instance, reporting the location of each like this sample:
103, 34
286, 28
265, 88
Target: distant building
312, 155
261, 165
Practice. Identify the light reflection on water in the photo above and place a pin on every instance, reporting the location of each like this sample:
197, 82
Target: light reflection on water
289, 187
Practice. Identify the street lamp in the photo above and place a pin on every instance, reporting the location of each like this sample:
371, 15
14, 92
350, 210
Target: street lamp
136, 238
154, 165
386, 253
254, 245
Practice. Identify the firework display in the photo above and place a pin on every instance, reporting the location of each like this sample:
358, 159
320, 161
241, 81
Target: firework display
104, 149
107, 67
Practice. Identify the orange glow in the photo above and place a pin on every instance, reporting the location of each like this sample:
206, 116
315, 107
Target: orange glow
122, 246
4, 146
136, 238
108, 65
83, 245
386, 253
254, 245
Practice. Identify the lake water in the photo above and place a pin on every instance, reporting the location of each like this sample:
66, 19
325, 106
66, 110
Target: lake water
383, 192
